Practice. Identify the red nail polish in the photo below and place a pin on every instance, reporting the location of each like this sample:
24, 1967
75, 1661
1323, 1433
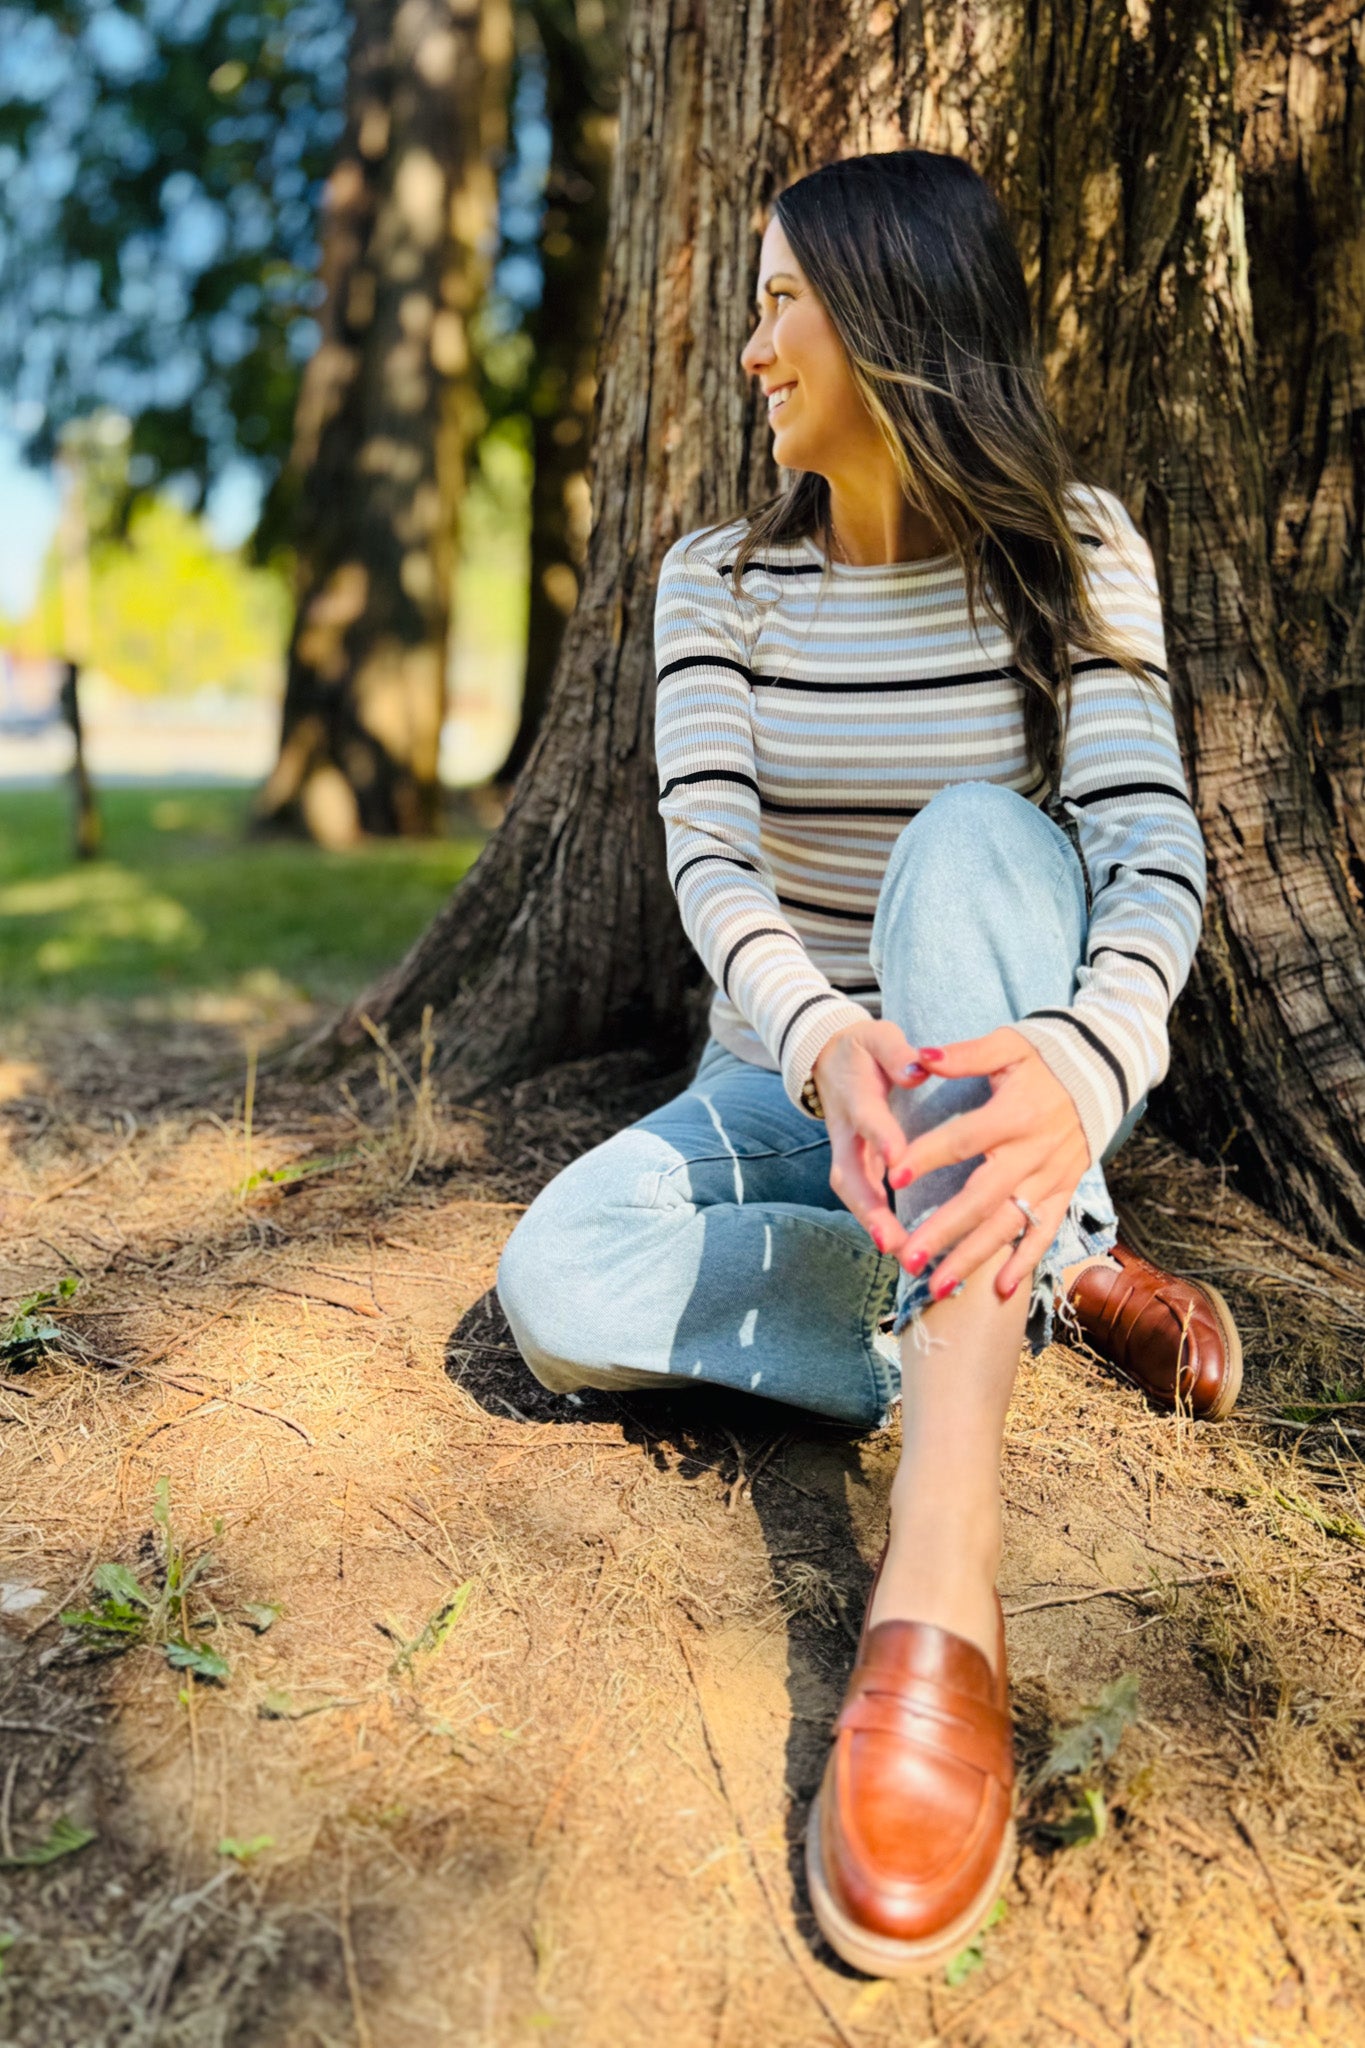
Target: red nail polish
878, 1240
931, 1052
914, 1072
915, 1262
902, 1177
1009, 1290
941, 1286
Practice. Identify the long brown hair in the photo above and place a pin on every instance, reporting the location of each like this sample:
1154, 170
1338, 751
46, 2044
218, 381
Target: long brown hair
911, 256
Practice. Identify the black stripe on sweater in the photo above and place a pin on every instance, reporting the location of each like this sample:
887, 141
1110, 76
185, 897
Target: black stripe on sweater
967, 678
774, 568
1152, 874
708, 775
671, 668
732, 859
800, 1011
1124, 954
767, 931
839, 810
1111, 789
1092, 1038
824, 910
1099, 661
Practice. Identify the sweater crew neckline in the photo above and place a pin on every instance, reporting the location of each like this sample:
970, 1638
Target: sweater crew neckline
862, 570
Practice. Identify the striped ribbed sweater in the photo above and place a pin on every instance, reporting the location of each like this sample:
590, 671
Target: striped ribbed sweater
797, 737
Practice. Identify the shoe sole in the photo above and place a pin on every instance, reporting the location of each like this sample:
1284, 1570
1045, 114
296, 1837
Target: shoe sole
881, 1955
1232, 1379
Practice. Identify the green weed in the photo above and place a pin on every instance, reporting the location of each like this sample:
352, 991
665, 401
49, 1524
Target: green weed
63, 1839
29, 1331
125, 1611
243, 1851
433, 1632
1081, 1751
974, 1955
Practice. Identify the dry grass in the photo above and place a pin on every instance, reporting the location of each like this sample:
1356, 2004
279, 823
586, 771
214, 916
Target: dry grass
527, 1750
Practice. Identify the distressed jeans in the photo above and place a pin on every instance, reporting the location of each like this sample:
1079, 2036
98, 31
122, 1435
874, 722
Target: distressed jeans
705, 1243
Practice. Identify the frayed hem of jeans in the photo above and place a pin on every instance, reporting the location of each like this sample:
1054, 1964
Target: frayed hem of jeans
1082, 1234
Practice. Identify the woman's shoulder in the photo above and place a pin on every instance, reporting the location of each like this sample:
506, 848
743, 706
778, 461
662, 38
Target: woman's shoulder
711, 550
1104, 525
707, 550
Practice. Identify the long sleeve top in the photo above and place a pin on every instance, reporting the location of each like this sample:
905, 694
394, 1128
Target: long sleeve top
795, 739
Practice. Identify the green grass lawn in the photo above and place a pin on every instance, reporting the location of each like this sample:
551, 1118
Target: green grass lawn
183, 905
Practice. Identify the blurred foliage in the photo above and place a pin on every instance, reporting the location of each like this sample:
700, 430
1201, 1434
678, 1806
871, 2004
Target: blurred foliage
161, 167
168, 610
188, 917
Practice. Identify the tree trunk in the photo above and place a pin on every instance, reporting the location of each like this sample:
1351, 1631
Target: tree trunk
583, 65
386, 416
1165, 233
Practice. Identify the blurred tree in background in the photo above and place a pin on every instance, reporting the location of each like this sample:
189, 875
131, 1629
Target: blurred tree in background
387, 416
169, 251
573, 50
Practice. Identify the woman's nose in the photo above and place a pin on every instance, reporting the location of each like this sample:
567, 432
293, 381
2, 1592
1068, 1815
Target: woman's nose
752, 355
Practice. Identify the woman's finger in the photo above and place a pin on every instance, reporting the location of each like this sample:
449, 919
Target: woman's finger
871, 1118
992, 1183
898, 1059
999, 1048
1002, 1227
1034, 1242
863, 1192
963, 1137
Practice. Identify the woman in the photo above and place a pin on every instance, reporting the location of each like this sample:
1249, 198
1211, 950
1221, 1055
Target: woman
938, 1006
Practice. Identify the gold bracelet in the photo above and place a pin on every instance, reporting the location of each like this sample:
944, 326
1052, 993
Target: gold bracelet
810, 1098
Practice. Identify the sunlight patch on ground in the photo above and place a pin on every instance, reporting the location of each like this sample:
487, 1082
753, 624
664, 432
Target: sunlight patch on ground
102, 910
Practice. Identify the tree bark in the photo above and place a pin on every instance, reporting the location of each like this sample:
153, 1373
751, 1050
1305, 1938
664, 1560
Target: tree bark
1171, 169
386, 414
582, 50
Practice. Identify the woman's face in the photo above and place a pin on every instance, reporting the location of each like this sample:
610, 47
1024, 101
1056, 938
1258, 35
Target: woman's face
818, 419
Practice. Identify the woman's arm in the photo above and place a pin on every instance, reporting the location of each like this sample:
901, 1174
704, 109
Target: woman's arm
709, 802
1123, 782
1062, 1079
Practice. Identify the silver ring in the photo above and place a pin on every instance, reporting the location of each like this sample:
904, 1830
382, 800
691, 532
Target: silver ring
1028, 1210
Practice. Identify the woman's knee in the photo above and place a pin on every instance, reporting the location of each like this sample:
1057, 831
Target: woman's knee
563, 1268
982, 908
969, 827
976, 850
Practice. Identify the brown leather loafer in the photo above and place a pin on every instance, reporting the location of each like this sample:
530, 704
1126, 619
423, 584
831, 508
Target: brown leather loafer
911, 1836
1176, 1338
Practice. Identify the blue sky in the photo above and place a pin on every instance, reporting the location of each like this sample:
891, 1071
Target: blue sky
28, 513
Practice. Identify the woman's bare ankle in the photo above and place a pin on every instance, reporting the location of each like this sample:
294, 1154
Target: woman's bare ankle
942, 1569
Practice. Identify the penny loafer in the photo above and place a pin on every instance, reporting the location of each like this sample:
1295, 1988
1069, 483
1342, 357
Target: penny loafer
1175, 1338
911, 1835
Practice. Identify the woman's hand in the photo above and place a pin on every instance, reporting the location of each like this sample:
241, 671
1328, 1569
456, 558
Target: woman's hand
855, 1072
1033, 1144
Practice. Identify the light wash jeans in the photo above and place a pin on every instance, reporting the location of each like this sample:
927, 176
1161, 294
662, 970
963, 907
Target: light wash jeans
705, 1242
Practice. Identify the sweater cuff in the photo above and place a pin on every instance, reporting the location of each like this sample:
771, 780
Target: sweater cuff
809, 1039
1087, 1076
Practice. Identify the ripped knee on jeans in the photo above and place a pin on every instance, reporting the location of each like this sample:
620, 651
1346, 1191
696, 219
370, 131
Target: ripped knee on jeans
1089, 1228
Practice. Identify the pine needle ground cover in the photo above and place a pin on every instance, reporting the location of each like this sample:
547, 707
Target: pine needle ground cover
352, 1690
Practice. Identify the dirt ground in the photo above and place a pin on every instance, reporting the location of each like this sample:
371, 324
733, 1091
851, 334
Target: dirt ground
521, 1702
